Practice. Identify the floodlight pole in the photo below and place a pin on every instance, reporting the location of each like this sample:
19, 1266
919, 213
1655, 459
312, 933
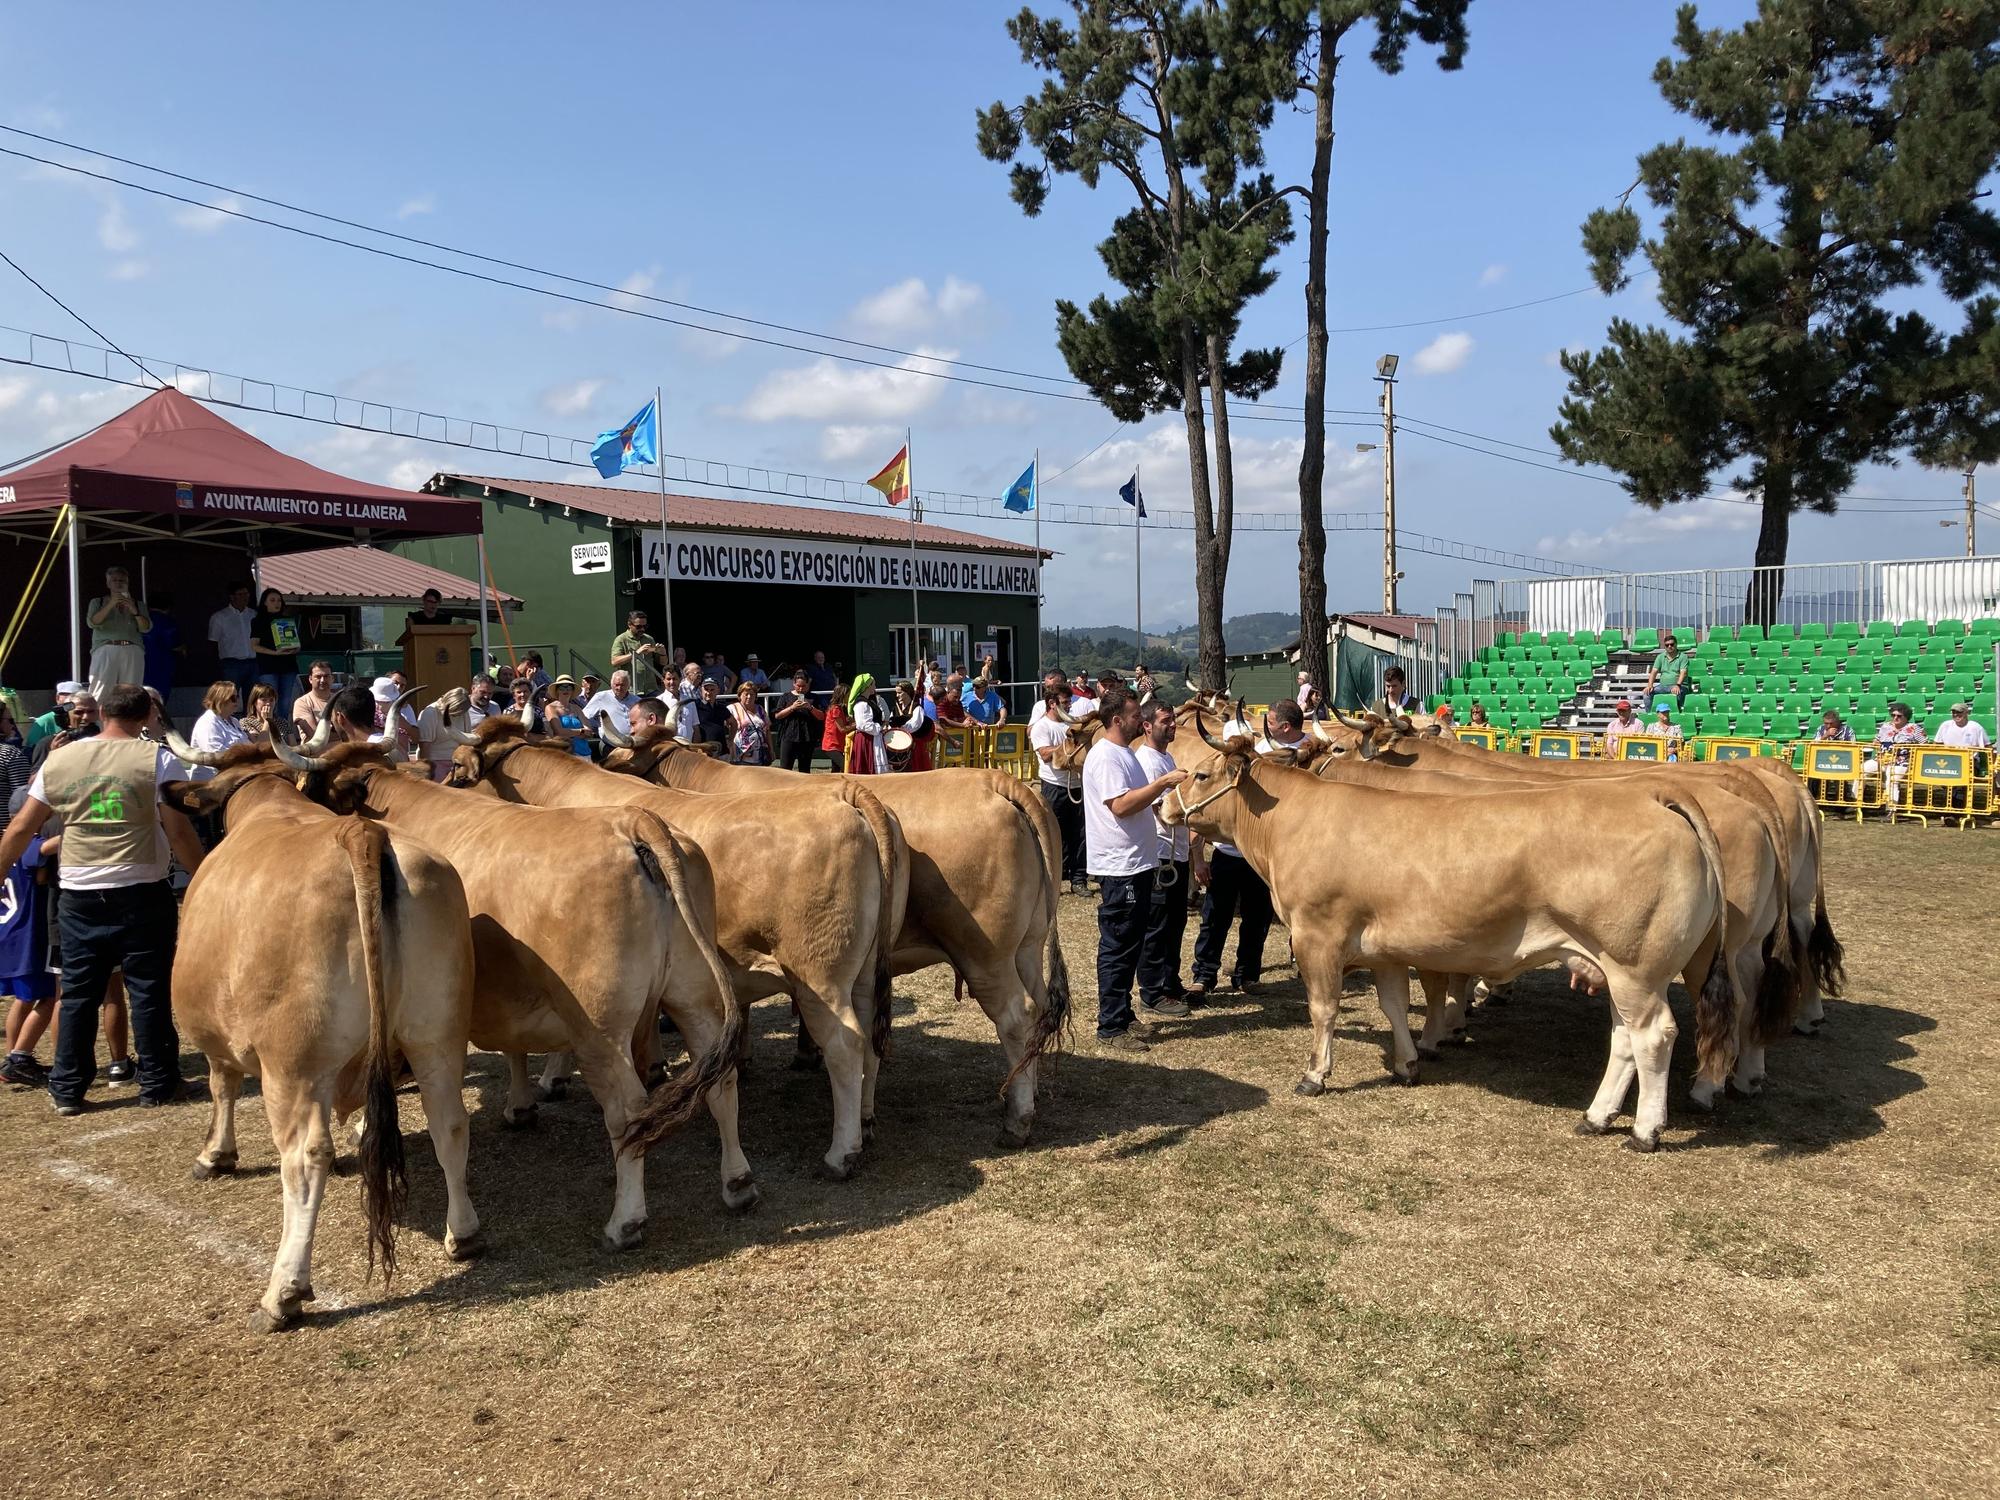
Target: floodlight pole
75, 592
1971, 516
1386, 374
666, 579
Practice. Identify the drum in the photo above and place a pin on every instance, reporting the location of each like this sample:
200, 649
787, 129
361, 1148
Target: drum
899, 741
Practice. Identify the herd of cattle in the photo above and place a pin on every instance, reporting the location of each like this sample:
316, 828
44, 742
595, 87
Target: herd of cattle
687, 886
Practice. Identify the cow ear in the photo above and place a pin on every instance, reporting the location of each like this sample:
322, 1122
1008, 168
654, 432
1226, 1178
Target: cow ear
191, 797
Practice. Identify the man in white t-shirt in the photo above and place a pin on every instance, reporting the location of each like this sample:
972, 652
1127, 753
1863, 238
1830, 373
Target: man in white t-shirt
615, 702
1160, 988
1048, 736
1121, 839
1962, 729
1230, 885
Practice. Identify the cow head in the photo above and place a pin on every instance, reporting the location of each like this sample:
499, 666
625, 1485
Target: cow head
483, 747
645, 752
1203, 801
235, 768
338, 777
1081, 733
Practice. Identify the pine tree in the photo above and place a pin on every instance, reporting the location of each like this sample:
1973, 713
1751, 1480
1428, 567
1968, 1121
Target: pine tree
1159, 93
1850, 140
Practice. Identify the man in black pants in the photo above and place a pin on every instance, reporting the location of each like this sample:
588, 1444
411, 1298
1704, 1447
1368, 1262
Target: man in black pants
1232, 886
1166, 925
1122, 841
1050, 737
800, 725
117, 908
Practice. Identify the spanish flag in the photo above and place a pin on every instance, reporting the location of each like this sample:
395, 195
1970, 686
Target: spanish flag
894, 480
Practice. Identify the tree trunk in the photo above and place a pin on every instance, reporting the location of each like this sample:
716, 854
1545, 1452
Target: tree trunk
1767, 588
1211, 564
1225, 476
1312, 462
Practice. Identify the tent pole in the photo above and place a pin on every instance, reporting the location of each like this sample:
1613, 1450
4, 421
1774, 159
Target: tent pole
75, 593
485, 649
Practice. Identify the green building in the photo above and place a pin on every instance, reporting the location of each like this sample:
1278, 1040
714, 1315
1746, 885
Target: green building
783, 581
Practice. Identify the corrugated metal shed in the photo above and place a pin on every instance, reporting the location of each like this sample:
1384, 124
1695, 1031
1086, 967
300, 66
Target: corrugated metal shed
361, 575
642, 508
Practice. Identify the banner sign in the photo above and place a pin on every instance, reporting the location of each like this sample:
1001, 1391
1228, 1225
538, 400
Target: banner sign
748, 557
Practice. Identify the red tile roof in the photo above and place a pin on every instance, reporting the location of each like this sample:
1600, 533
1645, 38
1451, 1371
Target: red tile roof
642, 507
361, 575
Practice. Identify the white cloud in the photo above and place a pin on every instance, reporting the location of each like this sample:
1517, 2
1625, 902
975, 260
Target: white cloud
423, 203
1266, 471
131, 270
1643, 527
378, 457
829, 391
1493, 275
709, 348
910, 307
573, 399
635, 286
1443, 354
13, 390
850, 440
207, 220
114, 232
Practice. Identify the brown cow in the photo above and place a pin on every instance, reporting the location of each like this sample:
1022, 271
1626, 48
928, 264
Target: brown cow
986, 865
1508, 902
806, 902
611, 888
373, 958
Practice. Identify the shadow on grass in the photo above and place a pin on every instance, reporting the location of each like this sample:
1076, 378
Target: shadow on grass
544, 1194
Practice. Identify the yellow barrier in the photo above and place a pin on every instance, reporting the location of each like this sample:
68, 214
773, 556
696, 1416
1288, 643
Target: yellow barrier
1732, 747
1938, 784
1555, 744
1835, 778
1647, 747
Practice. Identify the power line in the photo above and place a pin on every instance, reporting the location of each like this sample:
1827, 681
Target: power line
79, 317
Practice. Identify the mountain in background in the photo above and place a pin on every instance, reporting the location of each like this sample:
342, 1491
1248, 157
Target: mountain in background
1097, 648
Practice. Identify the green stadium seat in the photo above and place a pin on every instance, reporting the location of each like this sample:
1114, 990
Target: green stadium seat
1476, 670
1749, 632
1696, 703
1505, 638
1555, 638
1613, 640
1813, 631
1914, 627
1984, 629
1531, 638
1541, 653
1879, 628
1646, 640
1782, 633
1949, 627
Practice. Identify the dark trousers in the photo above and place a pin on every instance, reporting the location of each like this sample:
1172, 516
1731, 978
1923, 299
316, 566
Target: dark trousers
1062, 801
796, 755
1121, 932
1166, 925
131, 927
1232, 886
241, 671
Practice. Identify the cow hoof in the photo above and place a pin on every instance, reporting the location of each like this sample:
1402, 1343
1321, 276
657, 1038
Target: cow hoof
625, 1237
741, 1194
1702, 1097
1013, 1136
518, 1119
470, 1247
263, 1320
1644, 1144
1801, 1028
1409, 1079
1750, 1088
842, 1170
1428, 1054
1588, 1126
1309, 1088
1460, 1039
554, 1089
205, 1171
867, 1129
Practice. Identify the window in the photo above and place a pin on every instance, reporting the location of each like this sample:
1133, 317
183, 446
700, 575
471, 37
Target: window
941, 645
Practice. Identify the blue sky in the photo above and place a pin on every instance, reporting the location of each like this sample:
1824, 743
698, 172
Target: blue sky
814, 165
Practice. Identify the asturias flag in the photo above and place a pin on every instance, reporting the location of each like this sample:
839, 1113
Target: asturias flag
1021, 494
627, 447
1129, 493
894, 480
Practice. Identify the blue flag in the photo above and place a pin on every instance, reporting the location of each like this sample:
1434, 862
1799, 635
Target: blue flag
627, 447
1021, 493
1129, 493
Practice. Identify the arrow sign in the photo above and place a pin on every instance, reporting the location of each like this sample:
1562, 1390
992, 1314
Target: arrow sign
590, 557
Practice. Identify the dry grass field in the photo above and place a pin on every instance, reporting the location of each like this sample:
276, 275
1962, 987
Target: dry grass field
1193, 1283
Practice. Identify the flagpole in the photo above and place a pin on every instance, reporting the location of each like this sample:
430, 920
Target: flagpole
1035, 494
1138, 570
920, 670
666, 583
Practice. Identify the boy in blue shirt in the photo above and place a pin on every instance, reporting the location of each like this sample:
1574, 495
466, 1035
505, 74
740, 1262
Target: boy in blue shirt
24, 959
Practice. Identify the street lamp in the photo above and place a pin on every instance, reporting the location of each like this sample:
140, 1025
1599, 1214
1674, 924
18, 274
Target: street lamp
1385, 372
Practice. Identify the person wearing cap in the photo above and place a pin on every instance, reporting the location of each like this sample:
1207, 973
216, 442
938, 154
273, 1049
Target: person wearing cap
982, 704
1664, 727
56, 719
117, 909
641, 655
80, 721
1962, 729
754, 673
562, 716
1622, 723
1445, 720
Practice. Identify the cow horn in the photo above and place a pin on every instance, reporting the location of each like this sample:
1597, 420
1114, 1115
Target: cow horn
1063, 717
322, 732
297, 761
1319, 731
460, 736
1201, 728
1354, 724
527, 715
183, 751
611, 734
397, 707
1147, 699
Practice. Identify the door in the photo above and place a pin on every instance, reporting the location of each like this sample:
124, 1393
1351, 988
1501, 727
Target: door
928, 645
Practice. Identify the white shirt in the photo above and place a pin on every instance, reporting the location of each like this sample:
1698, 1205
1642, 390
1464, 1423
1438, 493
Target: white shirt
1971, 737
611, 706
1173, 841
110, 877
687, 720
229, 629
214, 732
1077, 708
1114, 845
1230, 729
476, 713
1051, 733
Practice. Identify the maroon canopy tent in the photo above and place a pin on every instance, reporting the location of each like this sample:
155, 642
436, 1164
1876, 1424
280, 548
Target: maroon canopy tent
168, 477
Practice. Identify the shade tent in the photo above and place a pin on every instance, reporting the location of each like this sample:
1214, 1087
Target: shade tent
167, 478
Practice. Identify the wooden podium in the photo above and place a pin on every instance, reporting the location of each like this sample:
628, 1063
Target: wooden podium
436, 656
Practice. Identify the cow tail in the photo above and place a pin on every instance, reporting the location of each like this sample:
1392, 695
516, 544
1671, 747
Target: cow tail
385, 1181
677, 1101
1781, 988
892, 854
1719, 1001
1829, 958
1052, 1024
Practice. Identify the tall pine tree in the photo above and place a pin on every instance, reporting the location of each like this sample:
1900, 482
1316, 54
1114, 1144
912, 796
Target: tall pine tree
1158, 94
1849, 140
